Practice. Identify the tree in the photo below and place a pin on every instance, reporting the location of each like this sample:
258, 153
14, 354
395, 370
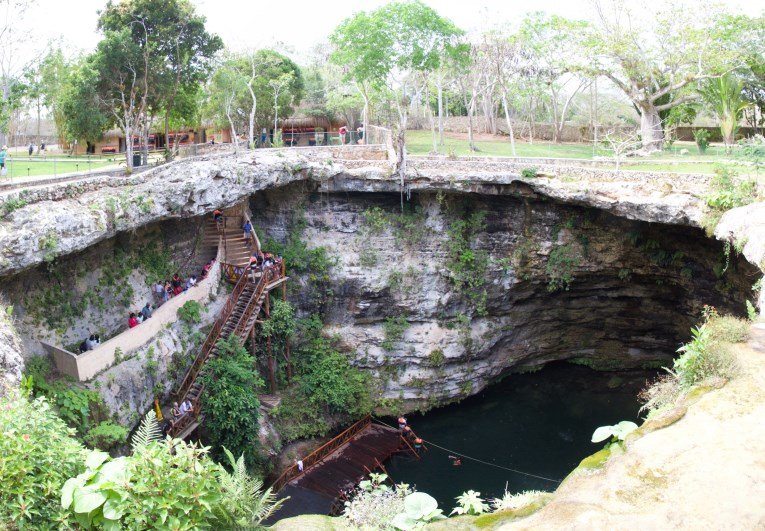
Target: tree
230, 399
724, 96
658, 53
390, 49
550, 42
179, 50
54, 73
241, 81
81, 114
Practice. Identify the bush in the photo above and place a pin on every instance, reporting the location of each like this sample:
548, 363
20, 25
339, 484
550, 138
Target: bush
164, 484
701, 136
394, 328
106, 436
191, 312
560, 268
38, 453
529, 173
231, 386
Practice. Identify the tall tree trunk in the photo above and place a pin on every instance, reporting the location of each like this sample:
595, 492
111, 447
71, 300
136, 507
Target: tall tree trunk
651, 131
440, 113
509, 123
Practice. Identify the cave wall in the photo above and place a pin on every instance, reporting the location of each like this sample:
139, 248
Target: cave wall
61, 302
636, 288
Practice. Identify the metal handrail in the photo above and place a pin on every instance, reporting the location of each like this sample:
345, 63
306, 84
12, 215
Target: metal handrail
322, 452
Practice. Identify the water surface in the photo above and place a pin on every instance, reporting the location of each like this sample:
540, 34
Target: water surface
540, 423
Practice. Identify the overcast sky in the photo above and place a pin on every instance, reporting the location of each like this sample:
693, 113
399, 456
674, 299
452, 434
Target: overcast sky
298, 23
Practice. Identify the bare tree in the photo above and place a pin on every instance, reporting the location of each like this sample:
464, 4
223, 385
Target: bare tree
622, 143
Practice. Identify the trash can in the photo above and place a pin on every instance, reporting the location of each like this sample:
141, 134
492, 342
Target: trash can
136, 160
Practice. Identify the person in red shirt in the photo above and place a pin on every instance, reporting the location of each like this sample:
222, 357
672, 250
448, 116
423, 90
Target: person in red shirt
132, 321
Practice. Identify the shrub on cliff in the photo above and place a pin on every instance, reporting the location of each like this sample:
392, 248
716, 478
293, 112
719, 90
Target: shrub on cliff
38, 452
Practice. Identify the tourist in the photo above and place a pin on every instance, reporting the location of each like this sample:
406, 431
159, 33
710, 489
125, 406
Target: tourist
84, 346
3, 155
263, 137
91, 343
247, 229
132, 321
175, 411
31, 148
147, 311
360, 133
342, 132
456, 461
168, 290
401, 423
408, 433
186, 407
268, 261
177, 284
218, 217
42, 148
299, 463
139, 316
206, 269
159, 293
417, 443
98, 339
191, 282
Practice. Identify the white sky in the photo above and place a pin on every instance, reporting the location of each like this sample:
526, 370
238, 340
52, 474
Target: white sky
298, 23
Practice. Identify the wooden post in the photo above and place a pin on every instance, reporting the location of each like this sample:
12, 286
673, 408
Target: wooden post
271, 369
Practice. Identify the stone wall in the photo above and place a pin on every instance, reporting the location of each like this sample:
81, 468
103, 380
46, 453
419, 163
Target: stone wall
636, 288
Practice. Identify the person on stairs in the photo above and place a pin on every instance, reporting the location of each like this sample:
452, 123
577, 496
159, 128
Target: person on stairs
218, 217
247, 230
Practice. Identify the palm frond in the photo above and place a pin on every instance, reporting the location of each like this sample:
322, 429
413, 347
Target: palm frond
148, 432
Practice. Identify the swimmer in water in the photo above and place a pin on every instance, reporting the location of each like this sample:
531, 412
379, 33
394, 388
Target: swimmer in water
456, 461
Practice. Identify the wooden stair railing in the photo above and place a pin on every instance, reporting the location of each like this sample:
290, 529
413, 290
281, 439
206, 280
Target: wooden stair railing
241, 328
212, 338
320, 453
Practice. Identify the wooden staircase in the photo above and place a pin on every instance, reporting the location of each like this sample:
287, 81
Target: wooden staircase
238, 317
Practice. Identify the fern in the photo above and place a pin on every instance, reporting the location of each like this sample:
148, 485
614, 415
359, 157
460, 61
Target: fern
149, 431
247, 505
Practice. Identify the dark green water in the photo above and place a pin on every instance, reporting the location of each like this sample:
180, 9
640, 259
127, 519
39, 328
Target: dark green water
540, 423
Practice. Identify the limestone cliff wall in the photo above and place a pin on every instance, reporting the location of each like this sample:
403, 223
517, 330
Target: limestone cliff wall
635, 287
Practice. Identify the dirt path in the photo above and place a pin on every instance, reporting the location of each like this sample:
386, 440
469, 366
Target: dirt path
706, 471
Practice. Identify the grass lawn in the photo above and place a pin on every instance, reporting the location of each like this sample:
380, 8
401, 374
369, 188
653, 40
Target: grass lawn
419, 143
23, 167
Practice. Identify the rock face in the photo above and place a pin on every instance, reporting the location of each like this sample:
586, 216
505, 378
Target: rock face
560, 281
11, 360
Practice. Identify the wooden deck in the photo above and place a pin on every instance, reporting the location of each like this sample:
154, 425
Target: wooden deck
338, 465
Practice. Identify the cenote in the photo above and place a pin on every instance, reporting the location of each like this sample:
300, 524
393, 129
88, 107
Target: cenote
540, 423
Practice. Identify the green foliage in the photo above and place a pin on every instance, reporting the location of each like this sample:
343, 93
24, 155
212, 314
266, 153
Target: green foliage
368, 258
751, 311
726, 191
471, 503
190, 312
325, 384
701, 136
49, 244
107, 435
231, 385
11, 204
617, 432
560, 267
38, 453
467, 265
723, 95
409, 227
436, 357
164, 484
394, 328
708, 357
529, 173
419, 509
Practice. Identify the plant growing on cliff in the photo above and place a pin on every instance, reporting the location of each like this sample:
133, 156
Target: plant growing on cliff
468, 265
106, 436
231, 386
39, 452
190, 312
726, 191
470, 503
618, 432
560, 267
393, 328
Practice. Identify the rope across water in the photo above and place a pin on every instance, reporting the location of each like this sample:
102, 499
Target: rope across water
454, 452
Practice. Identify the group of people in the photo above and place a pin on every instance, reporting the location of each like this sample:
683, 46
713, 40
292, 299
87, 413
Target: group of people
163, 291
140, 316
40, 150
179, 411
90, 343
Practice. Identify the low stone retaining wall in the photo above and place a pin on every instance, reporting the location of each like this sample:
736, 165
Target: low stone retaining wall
85, 366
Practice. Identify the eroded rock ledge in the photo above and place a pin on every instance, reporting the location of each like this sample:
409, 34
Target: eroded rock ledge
48, 221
